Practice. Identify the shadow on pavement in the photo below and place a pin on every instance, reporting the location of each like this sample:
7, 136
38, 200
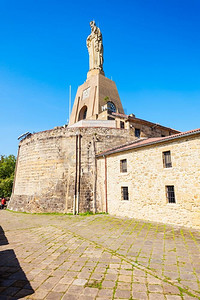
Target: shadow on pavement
13, 281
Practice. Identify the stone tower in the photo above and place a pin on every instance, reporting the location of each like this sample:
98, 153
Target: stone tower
98, 96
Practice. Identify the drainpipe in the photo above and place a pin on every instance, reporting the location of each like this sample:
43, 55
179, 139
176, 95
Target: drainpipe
95, 178
75, 183
106, 197
79, 172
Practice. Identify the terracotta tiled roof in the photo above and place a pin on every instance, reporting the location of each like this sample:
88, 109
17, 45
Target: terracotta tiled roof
148, 141
134, 119
120, 115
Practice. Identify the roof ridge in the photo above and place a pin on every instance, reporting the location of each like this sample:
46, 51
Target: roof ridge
148, 141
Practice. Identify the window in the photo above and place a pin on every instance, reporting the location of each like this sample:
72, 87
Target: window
110, 118
170, 194
121, 124
124, 190
137, 132
167, 163
123, 165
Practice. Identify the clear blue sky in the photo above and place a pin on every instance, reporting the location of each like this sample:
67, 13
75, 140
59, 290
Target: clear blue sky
151, 51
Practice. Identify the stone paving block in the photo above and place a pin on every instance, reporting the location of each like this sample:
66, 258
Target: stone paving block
170, 289
123, 294
54, 296
69, 296
124, 286
41, 277
111, 277
138, 272
155, 288
173, 297
139, 295
80, 282
137, 279
105, 293
100, 270
60, 288
103, 298
97, 276
85, 297
139, 287
108, 284
153, 280
114, 266
47, 285
112, 271
125, 272
90, 291
154, 296
75, 289
124, 278
66, 280
84, 275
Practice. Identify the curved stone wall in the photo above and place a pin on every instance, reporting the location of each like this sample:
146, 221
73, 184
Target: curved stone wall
45, 176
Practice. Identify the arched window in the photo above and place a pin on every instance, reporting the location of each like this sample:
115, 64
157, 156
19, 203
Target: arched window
82, 113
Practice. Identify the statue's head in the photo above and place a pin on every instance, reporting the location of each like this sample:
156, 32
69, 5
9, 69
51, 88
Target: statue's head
92, 24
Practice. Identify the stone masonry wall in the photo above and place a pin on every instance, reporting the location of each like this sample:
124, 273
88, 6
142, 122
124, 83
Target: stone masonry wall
45, 172
146, 179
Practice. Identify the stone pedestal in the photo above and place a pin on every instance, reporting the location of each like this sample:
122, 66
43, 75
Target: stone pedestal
92, 95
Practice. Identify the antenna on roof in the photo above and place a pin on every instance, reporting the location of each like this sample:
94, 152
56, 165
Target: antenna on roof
70, 92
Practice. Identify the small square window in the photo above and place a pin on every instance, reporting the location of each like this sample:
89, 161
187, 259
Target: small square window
137, 132
124, 191
121, 124
167, 163
123, 166
170, 194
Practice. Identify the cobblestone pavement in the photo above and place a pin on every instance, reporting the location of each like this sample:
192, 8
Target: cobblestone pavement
96, 257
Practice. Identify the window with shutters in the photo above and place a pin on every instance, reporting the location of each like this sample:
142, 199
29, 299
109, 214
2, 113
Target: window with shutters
167, 163
123, 165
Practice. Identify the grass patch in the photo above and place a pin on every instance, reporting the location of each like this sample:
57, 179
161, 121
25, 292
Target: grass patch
95, 284
87, 213
42, 213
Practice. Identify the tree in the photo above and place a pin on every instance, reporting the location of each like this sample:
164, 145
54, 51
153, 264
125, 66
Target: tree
7, 169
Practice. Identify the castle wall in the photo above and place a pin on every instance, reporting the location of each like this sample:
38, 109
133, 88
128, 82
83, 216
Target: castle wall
46, 168
146, 179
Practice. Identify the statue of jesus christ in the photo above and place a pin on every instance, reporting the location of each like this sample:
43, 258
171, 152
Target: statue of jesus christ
95, 47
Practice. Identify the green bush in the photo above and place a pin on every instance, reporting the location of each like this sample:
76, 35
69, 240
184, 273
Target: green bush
7, 169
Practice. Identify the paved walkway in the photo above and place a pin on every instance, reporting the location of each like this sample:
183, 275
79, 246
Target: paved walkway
96, 257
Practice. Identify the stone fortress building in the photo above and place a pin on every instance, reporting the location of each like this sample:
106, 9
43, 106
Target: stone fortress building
107, 161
